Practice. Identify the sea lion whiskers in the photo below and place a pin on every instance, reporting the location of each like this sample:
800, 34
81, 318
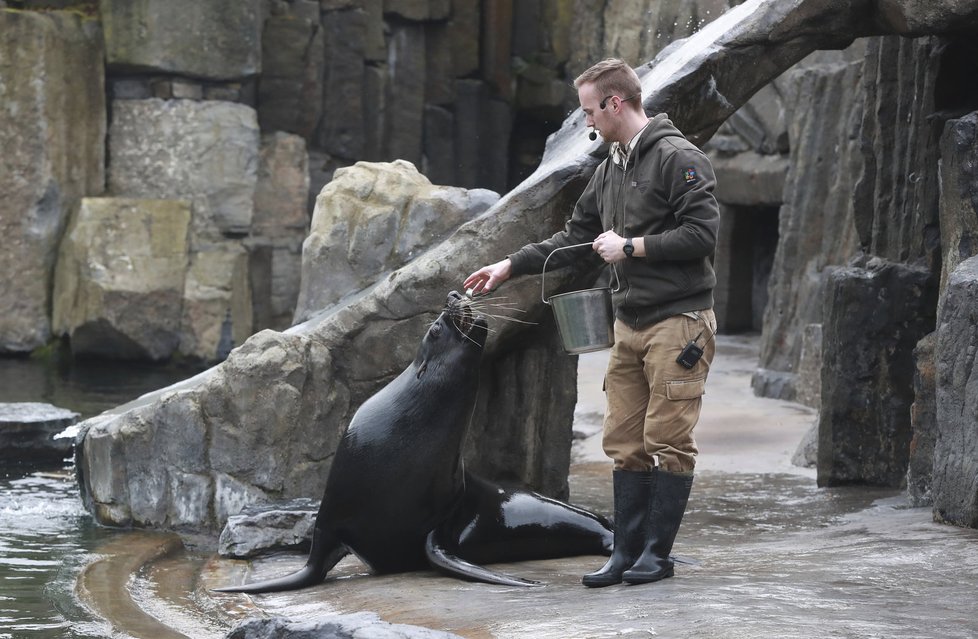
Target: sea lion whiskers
480, 304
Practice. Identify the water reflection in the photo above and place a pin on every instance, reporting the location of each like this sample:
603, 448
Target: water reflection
87, 387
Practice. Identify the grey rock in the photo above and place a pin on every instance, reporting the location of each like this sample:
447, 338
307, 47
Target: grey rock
919, 17
343, 128
351, 626
419, 10
28, 429
53, 154
956, 444
204, 152
279, 226
406, 89
374, 218
816, 227
224, 43
216, 290
923, 423
806, 454
119, 284
899, 178
290, 92
190, 450
959, 193
808, 382
874, 316
750, 179
259, 529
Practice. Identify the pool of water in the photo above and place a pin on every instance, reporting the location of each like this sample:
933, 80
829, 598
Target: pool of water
46, 536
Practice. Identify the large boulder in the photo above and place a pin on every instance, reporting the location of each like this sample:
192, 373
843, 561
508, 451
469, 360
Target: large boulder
52, 105
262, 424
875, 312
118, 289
371, 219
214, 40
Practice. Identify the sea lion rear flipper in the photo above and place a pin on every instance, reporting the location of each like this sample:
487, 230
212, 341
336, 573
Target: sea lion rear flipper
443, 560
321, 561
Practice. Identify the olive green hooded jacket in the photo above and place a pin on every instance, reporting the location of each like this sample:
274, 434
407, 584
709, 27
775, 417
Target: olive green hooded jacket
662, 191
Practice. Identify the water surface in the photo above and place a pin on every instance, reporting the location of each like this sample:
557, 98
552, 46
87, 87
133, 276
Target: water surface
46, 536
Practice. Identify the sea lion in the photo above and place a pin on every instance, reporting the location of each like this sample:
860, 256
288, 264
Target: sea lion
398, 497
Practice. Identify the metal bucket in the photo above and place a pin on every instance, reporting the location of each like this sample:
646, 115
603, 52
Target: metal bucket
585, 319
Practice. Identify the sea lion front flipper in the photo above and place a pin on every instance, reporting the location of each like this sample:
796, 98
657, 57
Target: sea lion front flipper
443, 560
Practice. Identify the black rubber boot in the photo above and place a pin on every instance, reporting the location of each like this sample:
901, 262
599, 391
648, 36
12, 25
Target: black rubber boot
666, 509
632, 491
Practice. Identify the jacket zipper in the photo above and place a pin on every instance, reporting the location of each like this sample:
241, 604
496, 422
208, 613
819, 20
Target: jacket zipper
621, 193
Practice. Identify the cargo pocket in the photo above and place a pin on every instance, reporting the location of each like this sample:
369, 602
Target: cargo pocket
681, 389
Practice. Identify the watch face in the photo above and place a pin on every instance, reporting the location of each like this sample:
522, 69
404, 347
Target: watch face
628, 248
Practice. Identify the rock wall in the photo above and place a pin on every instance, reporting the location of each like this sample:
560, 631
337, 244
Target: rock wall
467, 91
824, 107
52, 109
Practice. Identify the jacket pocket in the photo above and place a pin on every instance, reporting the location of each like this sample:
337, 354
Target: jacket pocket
684, 389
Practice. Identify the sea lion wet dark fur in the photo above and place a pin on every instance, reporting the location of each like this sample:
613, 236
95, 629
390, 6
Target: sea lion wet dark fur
398, 497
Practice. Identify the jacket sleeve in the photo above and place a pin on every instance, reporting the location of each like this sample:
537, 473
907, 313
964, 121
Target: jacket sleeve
584, 226
688, 182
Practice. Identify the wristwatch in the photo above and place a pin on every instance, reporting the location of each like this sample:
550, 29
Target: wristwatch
629, 248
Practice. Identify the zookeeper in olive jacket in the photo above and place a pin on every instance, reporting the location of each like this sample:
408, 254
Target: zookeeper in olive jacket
649, 212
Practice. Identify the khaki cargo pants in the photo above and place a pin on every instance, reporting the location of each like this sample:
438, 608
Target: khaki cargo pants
654, 402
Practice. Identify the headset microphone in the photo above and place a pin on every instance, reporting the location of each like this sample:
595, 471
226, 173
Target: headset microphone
592, 135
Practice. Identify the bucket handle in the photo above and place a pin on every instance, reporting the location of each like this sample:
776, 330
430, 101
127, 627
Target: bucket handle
543, 281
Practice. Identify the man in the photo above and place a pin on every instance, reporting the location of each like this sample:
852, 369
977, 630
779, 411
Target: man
650, 212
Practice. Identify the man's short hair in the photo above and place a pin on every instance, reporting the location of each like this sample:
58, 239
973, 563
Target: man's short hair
612, 77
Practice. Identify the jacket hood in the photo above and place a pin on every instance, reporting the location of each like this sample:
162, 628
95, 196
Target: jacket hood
658, 127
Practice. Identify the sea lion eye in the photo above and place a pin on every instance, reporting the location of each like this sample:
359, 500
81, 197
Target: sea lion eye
435, 330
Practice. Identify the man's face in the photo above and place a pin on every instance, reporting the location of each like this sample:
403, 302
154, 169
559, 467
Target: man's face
601, 120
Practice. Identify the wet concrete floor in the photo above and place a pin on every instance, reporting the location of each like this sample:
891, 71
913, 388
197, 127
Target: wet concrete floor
768, 553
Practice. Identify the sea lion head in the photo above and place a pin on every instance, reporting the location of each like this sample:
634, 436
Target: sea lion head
453, 340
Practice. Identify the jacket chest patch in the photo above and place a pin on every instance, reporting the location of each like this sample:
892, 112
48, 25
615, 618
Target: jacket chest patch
689, 175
